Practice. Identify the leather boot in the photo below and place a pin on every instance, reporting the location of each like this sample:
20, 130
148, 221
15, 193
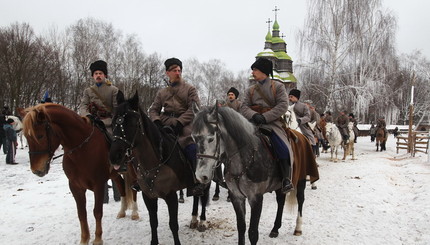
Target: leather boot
287, 186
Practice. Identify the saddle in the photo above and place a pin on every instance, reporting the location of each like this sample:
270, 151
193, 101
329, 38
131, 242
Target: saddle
98, 123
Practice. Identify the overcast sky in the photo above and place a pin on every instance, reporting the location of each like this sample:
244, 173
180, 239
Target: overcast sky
232, 31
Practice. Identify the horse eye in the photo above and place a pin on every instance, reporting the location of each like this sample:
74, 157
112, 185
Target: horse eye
210, 140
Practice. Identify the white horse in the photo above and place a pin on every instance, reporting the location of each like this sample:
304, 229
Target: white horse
334, 138
291, 119
17, 126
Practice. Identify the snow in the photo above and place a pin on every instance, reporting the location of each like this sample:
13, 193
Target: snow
381, 198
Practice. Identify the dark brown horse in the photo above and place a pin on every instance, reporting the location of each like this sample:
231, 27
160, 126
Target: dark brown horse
85, 159
250, 170
381, 139
162, 168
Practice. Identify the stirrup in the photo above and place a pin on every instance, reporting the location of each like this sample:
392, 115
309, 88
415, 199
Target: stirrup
136, 187
286, 186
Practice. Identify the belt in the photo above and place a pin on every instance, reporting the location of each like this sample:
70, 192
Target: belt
171, 114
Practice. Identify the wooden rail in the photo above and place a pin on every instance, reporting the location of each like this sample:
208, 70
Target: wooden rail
420, 143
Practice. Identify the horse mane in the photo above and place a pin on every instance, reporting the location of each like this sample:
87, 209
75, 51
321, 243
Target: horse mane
237, 126
33, 116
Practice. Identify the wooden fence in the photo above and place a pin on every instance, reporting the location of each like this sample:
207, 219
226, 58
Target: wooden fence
419, 143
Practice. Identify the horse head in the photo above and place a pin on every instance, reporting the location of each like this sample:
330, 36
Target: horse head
41, 138
126, 127
206, 134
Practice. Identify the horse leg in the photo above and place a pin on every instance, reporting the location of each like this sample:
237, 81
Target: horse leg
204, 200
172, 205
216, 195
119, 183
98, 213
152, 206
194, 222
181, 196
256, 203
301, 185
240, 210
280, 199
80, 199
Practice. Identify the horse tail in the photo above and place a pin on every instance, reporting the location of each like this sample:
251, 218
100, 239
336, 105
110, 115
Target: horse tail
291, 201
128, 190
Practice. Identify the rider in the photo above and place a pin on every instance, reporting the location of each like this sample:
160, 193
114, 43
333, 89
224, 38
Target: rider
99, 102
232, 101
352, 119
265, 103
303, 116
380, 123
172, 107
342, 123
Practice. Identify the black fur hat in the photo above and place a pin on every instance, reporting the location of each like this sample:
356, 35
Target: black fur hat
172, 61
99, 65
264, 65
234, 91
295, 93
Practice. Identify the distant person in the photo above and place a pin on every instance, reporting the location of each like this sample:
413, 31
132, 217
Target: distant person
382, 124
3, 139
46, 98
342, 123
232, 100
372, 133
396, 131
12, 141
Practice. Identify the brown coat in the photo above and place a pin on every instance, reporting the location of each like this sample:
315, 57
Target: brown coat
99, 101
174, 104
235, 105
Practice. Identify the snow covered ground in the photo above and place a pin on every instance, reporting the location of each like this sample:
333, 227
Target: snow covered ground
381, 198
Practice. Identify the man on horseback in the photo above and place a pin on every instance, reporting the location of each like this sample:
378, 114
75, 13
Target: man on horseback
304, 117
380, 123
172, 107
99, 102
342, 123
354, 120
232, 101
265, 103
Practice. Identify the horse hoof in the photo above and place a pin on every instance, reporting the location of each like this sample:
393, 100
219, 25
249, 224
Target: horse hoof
135, 217
202, 227
297, 233
193, 225
181, 200
273, 234
120, 215
215, 198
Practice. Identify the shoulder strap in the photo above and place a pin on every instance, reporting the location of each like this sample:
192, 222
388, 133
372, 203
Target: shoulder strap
108, 108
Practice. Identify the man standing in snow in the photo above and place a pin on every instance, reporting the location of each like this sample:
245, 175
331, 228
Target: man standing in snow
11, 140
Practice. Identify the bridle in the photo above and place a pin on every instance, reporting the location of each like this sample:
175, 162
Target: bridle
119, 123
216, 155
50, 151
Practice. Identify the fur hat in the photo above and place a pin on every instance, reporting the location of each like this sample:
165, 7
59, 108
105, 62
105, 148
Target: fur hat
172, 61
295, 93
264, 65
234, 91
9, 121
99, 65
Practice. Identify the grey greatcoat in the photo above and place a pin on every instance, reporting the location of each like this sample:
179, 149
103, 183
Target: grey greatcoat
174, 104
303, 116
100, 101
277, 95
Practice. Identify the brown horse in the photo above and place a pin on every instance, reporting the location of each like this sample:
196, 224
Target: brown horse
381, 139
250, 169
85, 159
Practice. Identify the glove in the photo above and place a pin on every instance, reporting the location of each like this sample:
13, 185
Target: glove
158, 124
259, 119
178, 128
299, 121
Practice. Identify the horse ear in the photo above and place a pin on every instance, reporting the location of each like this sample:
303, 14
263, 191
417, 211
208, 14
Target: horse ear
120, 97
196, 108
134, 101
